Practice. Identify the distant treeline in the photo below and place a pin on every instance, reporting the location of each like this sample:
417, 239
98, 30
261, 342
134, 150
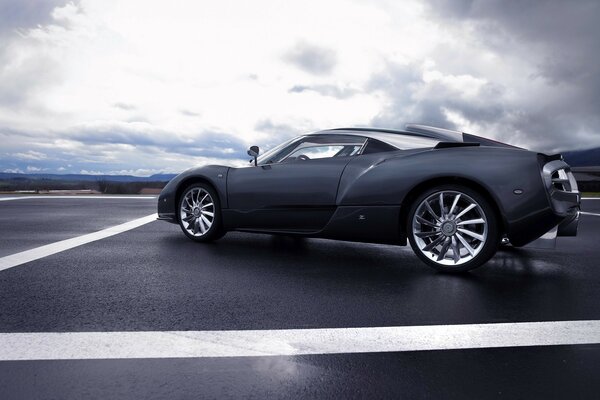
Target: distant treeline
114, 187
102, 186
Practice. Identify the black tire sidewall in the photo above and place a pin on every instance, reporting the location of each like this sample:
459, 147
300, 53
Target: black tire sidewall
493, 240
216, 230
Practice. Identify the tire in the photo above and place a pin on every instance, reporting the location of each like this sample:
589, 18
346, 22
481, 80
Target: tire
443, 239
196, 204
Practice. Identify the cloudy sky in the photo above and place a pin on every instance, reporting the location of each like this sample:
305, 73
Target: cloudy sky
140, 87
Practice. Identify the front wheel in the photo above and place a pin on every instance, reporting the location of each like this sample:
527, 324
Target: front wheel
200, 213
453, 228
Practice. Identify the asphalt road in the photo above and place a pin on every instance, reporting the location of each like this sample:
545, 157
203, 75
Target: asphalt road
154, 279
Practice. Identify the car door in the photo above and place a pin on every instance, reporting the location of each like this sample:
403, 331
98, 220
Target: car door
296, 191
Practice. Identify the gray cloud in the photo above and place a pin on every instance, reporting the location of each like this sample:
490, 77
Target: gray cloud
24, 68
212, 144
115, 146
311, 58
325, 90
282, 131
124, 106
189, 113
24, 14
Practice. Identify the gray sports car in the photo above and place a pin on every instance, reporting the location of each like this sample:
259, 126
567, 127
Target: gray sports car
454, 196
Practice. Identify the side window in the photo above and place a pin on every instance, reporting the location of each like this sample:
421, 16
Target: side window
322, 151
376, 146
323, 146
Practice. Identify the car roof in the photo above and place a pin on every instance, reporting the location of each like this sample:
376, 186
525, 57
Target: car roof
415, 136
431, 132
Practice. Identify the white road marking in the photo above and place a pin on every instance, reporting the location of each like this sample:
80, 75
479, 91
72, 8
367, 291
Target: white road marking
39, 252
77, 197
290, 342
589, 213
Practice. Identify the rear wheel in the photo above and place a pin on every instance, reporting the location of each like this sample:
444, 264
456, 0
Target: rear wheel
199, 213
453, 228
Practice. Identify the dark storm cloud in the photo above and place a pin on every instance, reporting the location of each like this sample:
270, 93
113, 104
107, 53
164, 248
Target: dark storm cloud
568, 30
325, 90
311, 58
560, 41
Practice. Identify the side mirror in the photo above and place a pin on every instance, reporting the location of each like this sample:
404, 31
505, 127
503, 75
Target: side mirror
253, 152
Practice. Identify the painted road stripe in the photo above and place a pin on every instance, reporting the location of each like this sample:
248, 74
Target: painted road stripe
78, 197
290, 342
589, 213
39, 252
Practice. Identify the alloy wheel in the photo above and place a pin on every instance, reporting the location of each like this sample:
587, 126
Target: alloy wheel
450, 228
197, 211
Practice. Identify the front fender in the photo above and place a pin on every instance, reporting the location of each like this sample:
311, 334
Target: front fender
216, 175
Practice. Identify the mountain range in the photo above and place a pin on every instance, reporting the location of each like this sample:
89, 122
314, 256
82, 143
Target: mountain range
583, 158
89, 178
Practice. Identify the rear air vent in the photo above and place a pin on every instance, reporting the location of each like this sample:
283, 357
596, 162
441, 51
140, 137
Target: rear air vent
558, 176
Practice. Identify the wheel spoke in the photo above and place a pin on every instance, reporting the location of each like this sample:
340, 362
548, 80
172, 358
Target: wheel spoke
425, 222
431, 211
204, 198
210, 214
427, 234
207, 205
444, 249
188, 218
465, 244
202, 225
466, 210
196, 226
454, 204
472, 234
434, 243
206, 221
442, 212
472, 221
455, 249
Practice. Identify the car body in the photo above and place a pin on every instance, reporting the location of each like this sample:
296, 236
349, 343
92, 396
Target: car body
363, 184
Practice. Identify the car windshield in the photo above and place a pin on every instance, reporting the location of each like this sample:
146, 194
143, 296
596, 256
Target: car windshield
266, 158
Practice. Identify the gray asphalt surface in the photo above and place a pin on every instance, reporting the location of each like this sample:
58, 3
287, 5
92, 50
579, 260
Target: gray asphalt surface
36, 222
153, 278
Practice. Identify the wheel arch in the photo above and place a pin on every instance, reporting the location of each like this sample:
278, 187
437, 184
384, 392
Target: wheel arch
418, 189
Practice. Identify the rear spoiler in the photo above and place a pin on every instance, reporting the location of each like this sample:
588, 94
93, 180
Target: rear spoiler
446, 145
